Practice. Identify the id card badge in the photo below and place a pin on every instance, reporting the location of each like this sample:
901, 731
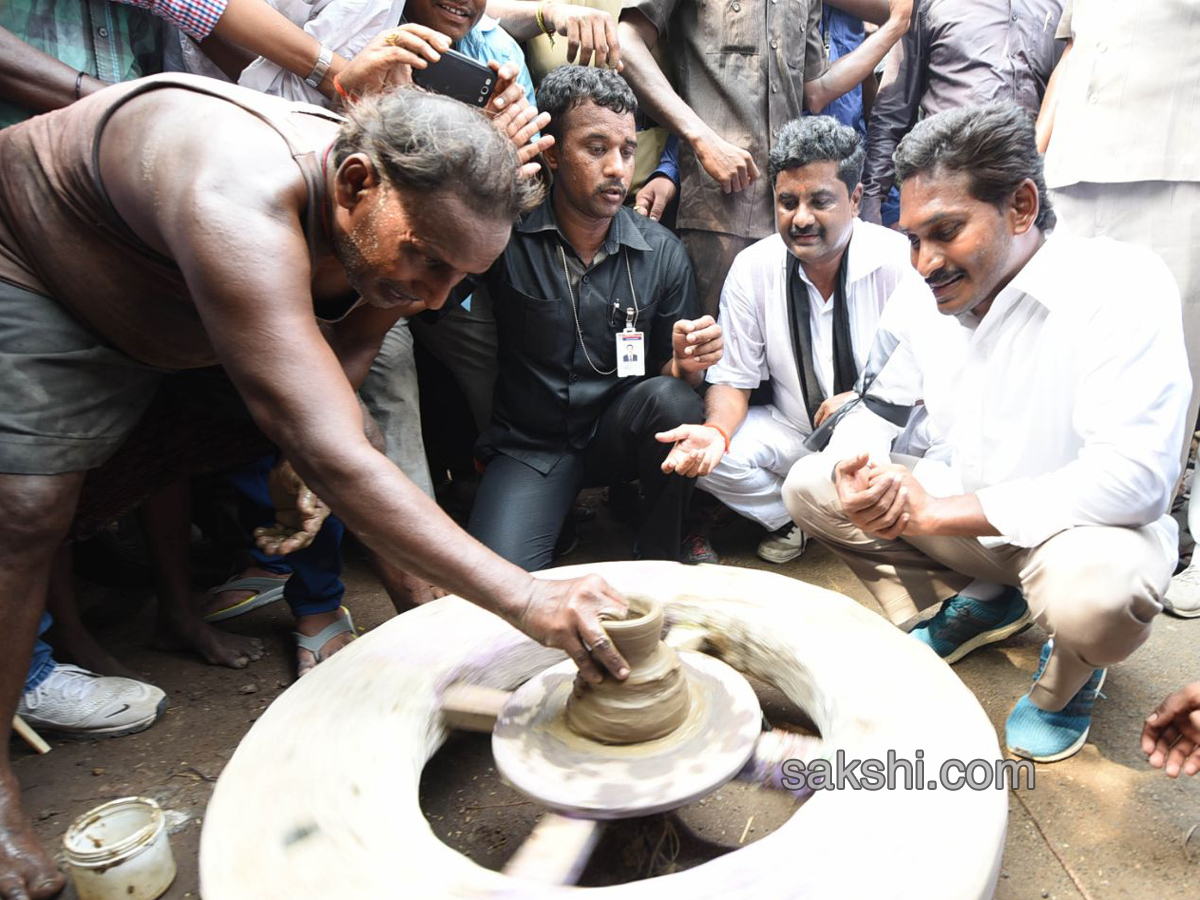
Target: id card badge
631, 353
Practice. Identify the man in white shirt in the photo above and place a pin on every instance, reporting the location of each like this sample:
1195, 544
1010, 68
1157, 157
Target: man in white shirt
799, 308
1053, 371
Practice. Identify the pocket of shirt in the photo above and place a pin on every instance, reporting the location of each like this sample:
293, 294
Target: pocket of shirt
537, 322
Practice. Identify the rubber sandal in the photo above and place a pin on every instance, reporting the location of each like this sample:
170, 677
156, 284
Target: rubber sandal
316, 642
267, 590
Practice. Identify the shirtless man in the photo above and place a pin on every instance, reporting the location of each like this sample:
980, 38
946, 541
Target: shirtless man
208, 227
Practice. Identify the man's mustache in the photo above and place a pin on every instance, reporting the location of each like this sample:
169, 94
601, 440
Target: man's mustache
815, 231
942, 276
612, 186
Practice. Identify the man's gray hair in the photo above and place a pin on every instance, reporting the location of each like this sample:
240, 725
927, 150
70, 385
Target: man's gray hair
426, 142
993, 145
818, 139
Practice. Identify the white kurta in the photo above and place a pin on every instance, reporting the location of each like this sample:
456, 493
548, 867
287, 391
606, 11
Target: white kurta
758, 347
1063, 406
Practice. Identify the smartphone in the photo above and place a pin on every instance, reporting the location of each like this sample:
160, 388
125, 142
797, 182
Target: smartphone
458, 76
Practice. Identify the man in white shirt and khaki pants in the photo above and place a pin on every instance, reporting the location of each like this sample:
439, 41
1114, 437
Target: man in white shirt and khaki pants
815, 290
1054, 375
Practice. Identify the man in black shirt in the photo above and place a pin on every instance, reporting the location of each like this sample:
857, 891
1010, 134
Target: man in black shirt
582, 280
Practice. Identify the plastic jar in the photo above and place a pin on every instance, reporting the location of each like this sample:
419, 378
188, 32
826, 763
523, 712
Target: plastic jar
120, 851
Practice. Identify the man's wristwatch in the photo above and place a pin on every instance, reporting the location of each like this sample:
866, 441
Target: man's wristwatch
317, 75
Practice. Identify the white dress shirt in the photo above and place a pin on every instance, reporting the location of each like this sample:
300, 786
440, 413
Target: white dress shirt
754, 315
1064, 405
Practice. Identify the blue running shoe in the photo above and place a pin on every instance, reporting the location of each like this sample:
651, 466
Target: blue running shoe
963, 624
1043, 736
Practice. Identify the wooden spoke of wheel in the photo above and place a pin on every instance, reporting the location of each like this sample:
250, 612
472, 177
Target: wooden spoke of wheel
556, 851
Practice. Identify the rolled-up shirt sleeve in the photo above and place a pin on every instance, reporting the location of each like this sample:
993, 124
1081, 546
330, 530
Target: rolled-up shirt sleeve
195, 18
1131, 405
744, 360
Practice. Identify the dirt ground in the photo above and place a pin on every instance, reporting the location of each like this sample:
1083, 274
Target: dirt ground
1100, 826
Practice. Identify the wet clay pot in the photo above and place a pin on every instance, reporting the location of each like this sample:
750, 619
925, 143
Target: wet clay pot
651, 703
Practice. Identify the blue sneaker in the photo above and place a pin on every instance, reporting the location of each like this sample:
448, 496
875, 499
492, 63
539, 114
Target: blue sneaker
1043, 736
963, 624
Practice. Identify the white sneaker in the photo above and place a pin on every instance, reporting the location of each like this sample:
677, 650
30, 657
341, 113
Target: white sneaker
1183, 594
78, 703
783, 545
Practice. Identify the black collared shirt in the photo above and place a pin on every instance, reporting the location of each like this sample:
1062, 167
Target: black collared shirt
549, 398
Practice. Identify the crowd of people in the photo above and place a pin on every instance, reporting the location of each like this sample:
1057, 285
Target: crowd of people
915, 279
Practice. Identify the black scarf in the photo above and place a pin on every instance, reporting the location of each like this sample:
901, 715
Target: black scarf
845, 372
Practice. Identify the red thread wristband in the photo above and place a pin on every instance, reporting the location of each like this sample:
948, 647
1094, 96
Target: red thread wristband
720, 431
345, 95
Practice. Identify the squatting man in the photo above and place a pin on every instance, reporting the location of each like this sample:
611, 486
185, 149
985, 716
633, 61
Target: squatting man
1053, 372
799, 309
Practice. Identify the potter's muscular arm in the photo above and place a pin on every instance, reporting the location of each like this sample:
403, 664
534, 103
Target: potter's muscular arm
233, 227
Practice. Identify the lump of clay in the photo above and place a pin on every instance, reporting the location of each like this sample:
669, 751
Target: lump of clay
651, 703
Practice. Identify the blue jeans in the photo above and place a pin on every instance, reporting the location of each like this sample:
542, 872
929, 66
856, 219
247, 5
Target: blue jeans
315, 585
42, 663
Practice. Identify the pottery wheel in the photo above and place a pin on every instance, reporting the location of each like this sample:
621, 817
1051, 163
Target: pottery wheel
546, 760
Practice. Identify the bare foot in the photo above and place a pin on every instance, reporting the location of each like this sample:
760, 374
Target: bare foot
26, 872
213, 602
216, 647
306, 660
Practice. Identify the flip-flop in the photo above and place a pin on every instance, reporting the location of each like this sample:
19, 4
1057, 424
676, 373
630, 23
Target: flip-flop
266, 590
317, 642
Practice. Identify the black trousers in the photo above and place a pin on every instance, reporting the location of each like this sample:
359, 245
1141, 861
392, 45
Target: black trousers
519, 512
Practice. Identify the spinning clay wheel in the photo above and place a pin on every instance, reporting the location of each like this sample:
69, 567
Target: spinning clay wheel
321, 797
677, 728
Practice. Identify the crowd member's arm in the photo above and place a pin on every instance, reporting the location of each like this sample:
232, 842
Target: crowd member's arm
37, 81
1045, 119
875, 11
589, 32
893, 113
662, 185
730, 166
1171, 734
237, 240
849, 71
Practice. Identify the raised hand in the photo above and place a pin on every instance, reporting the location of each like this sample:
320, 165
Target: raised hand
696, 344
388, 60
591, 34
697, 450
516, 117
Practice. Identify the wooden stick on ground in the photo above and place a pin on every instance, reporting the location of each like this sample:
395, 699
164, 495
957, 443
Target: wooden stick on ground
21, 727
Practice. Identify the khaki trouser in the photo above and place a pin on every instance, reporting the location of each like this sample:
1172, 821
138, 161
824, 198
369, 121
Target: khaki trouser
1094, 589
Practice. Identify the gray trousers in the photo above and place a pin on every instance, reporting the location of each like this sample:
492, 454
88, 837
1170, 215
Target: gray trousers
390, 394
1094, 589
465, 343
